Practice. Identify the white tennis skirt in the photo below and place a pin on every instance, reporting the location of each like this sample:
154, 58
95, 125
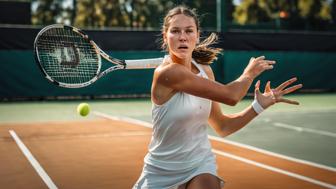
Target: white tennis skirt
155, 178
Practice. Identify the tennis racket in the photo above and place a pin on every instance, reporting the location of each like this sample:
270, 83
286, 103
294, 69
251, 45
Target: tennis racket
69, 58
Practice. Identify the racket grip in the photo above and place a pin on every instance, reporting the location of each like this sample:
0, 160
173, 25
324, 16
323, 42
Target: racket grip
143, 63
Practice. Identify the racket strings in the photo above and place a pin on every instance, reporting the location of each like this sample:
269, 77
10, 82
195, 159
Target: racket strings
67, 57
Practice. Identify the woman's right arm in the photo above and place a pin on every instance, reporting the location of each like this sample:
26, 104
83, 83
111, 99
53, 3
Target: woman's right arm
179, 78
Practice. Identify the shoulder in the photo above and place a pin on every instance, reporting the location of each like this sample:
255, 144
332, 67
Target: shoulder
170, 73
208, 70
168, 67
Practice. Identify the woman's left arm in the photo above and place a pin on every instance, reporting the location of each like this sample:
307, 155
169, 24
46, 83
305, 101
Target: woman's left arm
226, 124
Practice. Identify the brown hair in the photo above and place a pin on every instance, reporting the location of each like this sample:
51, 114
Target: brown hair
203, 54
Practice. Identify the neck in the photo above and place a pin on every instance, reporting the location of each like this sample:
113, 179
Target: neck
183, 61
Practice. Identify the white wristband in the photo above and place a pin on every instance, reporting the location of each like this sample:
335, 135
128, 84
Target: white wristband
257, 107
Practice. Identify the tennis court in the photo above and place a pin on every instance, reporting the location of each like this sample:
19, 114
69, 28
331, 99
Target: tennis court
285, 147
45, 143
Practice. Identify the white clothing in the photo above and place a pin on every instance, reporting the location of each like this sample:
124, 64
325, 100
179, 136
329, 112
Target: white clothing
179, 149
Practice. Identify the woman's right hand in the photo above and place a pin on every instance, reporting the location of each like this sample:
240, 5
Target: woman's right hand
257, 65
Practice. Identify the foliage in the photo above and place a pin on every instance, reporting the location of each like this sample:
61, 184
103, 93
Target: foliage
107, 13
304, 14
277, 14
49, 12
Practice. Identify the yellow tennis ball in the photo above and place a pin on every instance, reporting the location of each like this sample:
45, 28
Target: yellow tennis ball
83, 109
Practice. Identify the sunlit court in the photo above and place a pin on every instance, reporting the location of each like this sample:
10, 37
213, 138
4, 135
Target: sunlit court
79, 98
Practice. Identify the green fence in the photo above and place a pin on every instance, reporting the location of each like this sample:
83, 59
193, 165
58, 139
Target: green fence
315, 70
21, 78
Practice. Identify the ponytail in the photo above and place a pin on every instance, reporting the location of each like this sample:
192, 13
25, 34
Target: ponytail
203, 54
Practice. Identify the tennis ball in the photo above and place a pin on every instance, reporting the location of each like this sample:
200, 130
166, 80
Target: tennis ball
83, 109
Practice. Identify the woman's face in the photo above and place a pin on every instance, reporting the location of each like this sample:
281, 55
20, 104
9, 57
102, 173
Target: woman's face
181, 36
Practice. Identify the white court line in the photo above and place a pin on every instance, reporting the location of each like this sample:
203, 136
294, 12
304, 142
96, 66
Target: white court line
301, 177
281, 171
273, 154
301, 129
149, 125
47, 180
87, 136
127, 119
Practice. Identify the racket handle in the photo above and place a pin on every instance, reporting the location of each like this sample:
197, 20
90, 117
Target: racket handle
143, 63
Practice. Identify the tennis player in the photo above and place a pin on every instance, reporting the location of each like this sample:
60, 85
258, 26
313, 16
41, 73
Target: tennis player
186, 98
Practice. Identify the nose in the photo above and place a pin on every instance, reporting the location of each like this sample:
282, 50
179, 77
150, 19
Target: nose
183, 36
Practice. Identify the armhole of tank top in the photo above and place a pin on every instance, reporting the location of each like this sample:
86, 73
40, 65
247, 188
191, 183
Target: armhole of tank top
201, 70
165, 103
201, 73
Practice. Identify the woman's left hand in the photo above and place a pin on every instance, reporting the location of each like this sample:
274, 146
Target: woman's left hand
272, 96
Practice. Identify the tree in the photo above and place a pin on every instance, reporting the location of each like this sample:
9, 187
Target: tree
113, 13
296, 14
49, 12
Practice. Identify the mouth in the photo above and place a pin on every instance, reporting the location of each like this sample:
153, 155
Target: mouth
183, 47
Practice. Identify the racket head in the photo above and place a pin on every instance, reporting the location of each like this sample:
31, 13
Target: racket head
67, 56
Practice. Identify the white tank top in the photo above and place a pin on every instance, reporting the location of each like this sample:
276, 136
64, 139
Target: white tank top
180, 140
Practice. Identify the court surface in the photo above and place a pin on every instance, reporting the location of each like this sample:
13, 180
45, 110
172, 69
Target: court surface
45, 144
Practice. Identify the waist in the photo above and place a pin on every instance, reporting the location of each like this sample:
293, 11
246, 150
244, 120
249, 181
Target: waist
168, 165
178, 158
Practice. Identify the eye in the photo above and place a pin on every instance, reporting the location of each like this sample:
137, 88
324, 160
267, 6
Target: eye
174, 31
189, 31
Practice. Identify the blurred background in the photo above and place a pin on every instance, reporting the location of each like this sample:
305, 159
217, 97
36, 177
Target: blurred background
299, 34
318, 15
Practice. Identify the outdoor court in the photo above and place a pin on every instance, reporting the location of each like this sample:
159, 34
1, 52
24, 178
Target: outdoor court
45, 143
286, 147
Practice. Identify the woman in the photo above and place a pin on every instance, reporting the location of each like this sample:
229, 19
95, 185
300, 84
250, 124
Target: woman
186, 98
